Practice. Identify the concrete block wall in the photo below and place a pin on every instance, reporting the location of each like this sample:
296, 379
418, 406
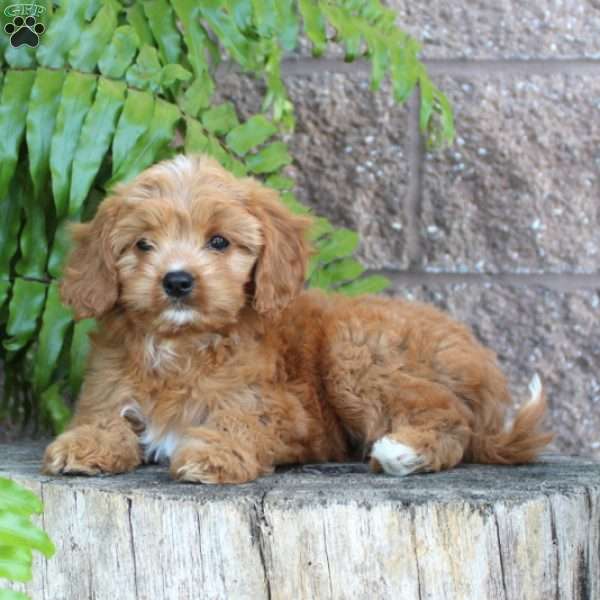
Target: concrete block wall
503, 228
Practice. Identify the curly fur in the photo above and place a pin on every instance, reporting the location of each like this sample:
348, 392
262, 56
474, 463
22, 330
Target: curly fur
250, 371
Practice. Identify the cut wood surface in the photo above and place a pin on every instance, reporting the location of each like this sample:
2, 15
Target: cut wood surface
320, 532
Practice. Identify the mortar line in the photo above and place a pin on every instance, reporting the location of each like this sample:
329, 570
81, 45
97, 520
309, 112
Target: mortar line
303, 66
512, 66
412, 198
563, 282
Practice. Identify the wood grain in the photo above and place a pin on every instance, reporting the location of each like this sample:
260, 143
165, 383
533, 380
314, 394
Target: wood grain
324, 532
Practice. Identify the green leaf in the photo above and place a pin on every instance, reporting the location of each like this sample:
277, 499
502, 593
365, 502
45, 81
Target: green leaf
64, 31
117, 56
279, 182
17, 530
270, 159
15, 563
338, 271
10, 223
341, 243
314, 25
320, 279
133, 123
277, 94
22, 57
41, 116
137, 19
216, 151
374, 284
265, 16
196, 140
12, 595
55, 323
229, 35
96, 135
75, 102
3, 46
241, 11
4, 290
146, 72
287, 24
320, 227
426, 88
32, 241
93, 6
155, 139
43, 108
379, 62
170, 74
197, 97
60, 248
220, 119
248, 135
85, 54
292, 203
54, 408
80, 348
13, 112
238, 168
25, 308
162, 23
447, 119
18, 499
194, 35
347, 28
404, 72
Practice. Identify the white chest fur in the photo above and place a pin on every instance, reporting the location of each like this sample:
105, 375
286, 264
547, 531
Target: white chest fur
158, 447
159, 355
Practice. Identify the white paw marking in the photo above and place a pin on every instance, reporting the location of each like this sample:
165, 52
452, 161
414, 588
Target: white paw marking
396, 458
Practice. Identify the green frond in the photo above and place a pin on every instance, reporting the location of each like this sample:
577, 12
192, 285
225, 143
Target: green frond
115, 86
18, 535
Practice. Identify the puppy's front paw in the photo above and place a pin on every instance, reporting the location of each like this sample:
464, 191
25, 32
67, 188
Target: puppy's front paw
89, 450
200, 462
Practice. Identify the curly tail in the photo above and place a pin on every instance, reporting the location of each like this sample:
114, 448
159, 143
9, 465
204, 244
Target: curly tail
523, 442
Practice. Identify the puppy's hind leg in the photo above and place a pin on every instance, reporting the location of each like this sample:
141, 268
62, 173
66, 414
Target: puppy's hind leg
429, 430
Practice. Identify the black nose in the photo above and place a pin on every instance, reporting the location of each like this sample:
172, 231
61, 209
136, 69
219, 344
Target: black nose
178, 284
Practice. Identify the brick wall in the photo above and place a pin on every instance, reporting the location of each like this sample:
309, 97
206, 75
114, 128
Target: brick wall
501, 229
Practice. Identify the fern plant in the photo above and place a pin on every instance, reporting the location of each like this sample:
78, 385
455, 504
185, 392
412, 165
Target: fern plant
116, 85
19, 536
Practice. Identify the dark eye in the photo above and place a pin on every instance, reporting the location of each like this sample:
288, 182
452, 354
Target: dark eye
218, 242
143, 245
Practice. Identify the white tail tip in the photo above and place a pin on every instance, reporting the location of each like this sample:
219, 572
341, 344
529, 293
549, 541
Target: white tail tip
535, 389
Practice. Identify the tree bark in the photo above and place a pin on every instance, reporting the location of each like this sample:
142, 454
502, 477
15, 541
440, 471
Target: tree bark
320, 532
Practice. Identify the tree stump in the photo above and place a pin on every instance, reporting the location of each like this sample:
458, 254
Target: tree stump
320, 532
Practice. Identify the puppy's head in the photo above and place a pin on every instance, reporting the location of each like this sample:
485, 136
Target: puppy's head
187, 244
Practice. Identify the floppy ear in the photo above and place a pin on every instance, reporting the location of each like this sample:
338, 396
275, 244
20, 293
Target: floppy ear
89, 283
281, 266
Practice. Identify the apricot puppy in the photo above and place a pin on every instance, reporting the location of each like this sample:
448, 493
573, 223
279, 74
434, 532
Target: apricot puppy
210, 354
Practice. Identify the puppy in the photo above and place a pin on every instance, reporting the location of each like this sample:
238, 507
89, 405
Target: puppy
210, 355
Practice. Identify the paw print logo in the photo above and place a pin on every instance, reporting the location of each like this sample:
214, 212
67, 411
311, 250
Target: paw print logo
24, 32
